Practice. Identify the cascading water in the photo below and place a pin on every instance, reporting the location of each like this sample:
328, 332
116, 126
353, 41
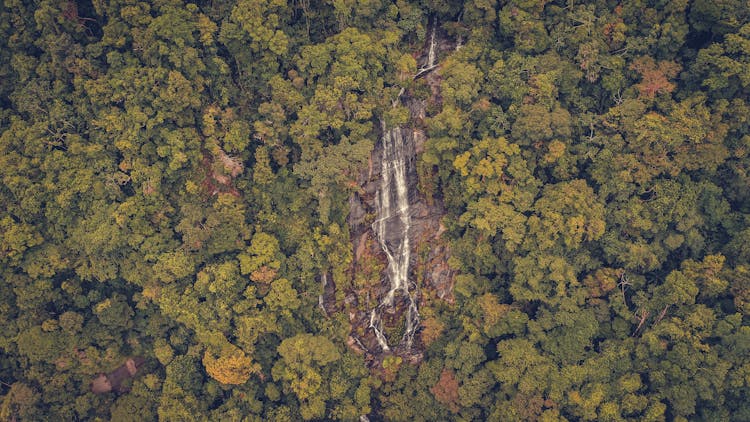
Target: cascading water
430, 63
431, 53
321, 299
405, 222
392, 230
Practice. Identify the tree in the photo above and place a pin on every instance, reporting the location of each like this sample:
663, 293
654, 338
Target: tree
176, 180
446, 390
304, 357
230, 366
655, 77
20, 401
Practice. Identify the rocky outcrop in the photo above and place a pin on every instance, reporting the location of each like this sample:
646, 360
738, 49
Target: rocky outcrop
115, 380
382, 309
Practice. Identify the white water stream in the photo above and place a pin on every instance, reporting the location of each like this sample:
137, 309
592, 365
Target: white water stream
431, 52
393, 221
431, 56
321, 299
392, 230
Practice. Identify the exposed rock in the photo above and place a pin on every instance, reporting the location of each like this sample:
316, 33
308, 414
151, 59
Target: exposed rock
428, 270
114, 381
327, 297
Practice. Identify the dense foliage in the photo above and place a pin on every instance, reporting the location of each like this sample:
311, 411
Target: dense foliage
174, 181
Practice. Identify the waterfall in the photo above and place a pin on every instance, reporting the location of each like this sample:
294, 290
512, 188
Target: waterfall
429, 64
392, 231
321, 298
377, 326
431, 53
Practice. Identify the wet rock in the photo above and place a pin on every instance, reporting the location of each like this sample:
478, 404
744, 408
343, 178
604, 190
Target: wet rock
424, 234
327, 297
373, 305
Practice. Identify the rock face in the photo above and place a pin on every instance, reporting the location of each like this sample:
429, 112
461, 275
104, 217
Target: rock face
400, 260
114, 380
392, 227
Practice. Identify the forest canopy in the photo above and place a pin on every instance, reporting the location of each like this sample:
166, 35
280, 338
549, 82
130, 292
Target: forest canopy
185, 185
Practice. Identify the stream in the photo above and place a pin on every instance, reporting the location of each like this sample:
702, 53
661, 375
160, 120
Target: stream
392, 228
393, 224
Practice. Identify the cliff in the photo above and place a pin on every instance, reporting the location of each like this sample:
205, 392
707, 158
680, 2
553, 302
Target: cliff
400, 260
